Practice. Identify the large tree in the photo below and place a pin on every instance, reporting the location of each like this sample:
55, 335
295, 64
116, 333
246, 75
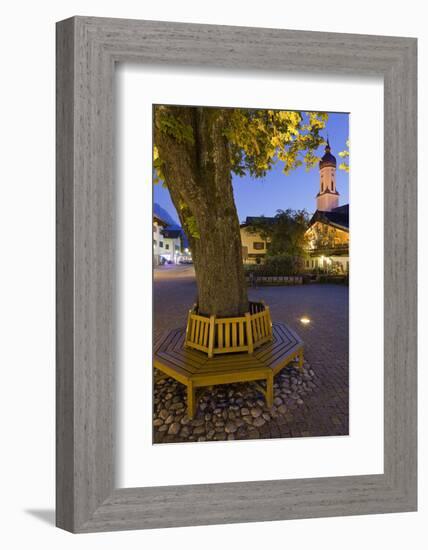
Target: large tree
196, 151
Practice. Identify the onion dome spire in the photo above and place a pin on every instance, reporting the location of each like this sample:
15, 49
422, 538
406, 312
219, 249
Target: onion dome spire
328, 159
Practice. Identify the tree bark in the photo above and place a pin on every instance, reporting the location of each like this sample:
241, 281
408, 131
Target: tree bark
197, 172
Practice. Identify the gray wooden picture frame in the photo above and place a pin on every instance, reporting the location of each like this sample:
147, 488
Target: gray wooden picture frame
87, 50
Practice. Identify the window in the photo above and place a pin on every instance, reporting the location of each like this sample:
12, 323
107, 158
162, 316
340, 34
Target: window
161, 244
155, 242
167, 246
177, 247
259, 246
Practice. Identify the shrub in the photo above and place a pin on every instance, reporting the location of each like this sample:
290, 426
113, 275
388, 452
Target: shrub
276, 266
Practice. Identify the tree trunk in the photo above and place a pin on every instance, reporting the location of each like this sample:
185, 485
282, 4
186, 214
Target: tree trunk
218, 264
197, 172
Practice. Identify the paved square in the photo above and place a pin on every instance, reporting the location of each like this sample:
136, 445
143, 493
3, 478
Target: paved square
312, 403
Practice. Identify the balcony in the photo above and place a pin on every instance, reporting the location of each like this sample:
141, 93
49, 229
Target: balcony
329, 250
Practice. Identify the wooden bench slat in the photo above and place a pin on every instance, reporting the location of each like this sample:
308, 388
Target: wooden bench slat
173, 363
261, 326
220, 335
207, 326
270, 355
241, 334
172, 371
234, 342
195, 369
229, 377
164, 339
226, 335
192, 329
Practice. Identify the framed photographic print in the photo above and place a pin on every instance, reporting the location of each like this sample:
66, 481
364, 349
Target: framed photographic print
236, 274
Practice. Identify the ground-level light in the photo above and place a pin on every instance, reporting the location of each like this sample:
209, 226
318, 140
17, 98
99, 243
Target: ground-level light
305, 320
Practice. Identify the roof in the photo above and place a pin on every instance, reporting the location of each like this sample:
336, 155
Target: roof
328, 158
338, 216
164, 215
159, 220
254, 220
171, 233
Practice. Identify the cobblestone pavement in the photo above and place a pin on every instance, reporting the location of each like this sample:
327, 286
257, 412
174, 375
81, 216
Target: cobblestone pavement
309, 403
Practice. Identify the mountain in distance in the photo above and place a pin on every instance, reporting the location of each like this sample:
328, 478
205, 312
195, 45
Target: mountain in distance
172, 224
165, 216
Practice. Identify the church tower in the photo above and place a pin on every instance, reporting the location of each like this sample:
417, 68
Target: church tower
328, 197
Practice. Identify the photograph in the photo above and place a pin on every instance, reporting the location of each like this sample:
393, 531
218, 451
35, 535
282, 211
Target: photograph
211, 309
251, 271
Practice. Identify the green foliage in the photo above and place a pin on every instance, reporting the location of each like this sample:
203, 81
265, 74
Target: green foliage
191, 227
279, 265
258, 139
283, 264
190, 224
176, 128
334, 279
173, 126
286, 234
345, 155
157, 166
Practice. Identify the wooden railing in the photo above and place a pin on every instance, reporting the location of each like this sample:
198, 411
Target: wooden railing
327, 249
261, 278
214, 335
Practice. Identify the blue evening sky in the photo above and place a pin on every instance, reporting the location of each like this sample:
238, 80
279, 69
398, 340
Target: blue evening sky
256, 197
